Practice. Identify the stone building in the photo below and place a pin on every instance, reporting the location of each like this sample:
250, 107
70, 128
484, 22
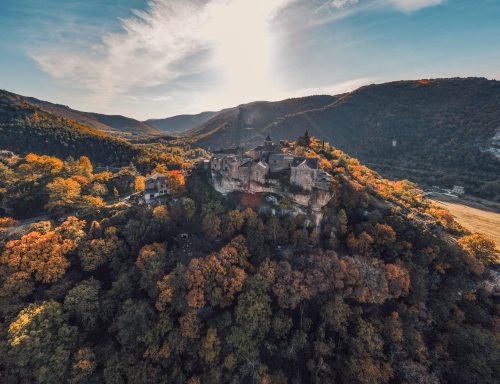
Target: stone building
303, 172
280, 161
155, 186
263, 151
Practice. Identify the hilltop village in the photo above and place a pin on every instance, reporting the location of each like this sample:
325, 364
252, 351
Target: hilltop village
268, 168
272, 168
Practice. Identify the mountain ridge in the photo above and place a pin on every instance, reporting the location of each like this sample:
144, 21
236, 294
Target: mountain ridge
181, 123
113, 124
441, 131
26, 128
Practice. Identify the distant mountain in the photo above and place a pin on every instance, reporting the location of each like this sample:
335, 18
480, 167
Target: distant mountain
181, 123
245, 124
26, 128
431, 131
112, 124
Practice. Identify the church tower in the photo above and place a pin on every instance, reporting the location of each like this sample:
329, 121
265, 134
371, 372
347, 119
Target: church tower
268, 142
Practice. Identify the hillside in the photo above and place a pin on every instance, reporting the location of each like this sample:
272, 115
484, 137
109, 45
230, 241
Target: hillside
245, 124
26, 128
112, 124
204, 289
442, 130
181, 123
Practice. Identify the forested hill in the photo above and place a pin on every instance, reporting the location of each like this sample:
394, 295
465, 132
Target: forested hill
106, 123
181, 123
245, 124
206, 289
440, 128
26, 128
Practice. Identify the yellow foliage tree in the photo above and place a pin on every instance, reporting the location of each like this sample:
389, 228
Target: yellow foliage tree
44, 165
63, 194
43, 255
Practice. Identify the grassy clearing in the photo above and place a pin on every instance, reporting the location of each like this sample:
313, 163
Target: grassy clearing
475, 219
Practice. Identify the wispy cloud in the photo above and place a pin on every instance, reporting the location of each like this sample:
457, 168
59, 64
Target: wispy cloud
147, 52
414, 5
402, 5
339, 4
172, 40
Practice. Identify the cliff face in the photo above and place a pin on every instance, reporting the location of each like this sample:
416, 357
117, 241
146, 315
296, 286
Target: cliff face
308, 203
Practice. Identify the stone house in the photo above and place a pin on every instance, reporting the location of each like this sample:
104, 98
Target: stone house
280, 161
155, 186
303, 172
259, 172
263, 151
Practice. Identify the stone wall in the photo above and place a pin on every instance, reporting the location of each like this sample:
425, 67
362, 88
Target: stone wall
303, 177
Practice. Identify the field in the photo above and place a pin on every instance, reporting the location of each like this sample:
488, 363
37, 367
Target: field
475, 219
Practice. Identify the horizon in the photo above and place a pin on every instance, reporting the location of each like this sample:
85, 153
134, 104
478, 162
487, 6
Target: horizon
159, 58
260, 101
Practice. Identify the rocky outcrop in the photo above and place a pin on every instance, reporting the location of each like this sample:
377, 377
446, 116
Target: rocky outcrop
308, 203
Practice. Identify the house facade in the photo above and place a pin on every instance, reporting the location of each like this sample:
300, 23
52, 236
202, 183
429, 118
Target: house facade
155, 186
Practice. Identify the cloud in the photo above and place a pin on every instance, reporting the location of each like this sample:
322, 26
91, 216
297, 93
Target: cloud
304, 14
342, 3
191, 45
170, 40
149, 50
413, 5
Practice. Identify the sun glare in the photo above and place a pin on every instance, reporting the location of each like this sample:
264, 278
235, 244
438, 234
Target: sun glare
243, 46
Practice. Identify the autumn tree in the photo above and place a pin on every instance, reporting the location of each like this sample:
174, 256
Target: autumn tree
64, 194
479, 248
211, 222
82, 302
175, 182
40, 342
84, 365
43, 165
210, 346
139, 184
44, 255
151, 264
95, 252
217, 278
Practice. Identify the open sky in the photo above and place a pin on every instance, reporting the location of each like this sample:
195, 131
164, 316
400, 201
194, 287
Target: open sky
159, 58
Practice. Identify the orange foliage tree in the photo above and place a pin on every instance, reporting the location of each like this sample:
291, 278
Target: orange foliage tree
217, 278
175, 182
44, 255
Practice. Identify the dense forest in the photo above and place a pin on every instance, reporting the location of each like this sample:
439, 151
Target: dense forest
25, 128
223, 289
